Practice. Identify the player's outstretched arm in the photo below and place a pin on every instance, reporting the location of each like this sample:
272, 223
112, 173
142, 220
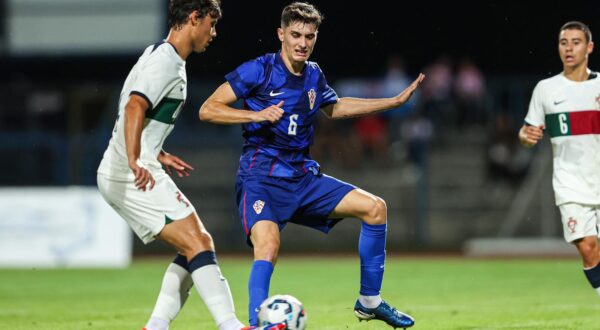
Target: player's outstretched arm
531, 135
348, 107
216, 109
173, 163
135, 110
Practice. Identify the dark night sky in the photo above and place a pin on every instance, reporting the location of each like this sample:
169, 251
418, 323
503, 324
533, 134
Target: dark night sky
502, 37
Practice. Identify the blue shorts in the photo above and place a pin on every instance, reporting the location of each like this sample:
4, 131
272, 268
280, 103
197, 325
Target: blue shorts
306, 200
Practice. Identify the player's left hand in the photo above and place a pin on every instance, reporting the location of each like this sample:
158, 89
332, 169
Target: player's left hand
405, 95
173, 163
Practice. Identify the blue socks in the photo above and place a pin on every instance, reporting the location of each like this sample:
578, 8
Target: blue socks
258, 287
371, 249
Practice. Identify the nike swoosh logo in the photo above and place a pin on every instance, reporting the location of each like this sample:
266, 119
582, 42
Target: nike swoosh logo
362, 315
558, 102
275, 94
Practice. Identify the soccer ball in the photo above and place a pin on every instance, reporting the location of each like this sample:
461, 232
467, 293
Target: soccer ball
283, 308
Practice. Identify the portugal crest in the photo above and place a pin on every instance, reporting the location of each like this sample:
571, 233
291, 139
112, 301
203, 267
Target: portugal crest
258, 206
312, 96
572, 223
182, 200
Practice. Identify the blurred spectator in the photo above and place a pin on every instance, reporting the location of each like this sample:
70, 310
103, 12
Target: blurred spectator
371, 132
407, 127
373, 138
333, 143
369, 135
505, 158
417, 131
395, 81
436, 93
469, 89
372, 135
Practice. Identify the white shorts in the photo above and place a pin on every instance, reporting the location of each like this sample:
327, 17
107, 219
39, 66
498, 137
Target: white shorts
579, 220
146, 212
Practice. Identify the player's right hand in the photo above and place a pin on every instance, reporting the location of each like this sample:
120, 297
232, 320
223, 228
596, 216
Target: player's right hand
530, 135
271, 114
143, 178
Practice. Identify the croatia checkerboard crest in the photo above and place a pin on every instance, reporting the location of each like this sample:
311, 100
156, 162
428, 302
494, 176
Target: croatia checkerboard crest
312, 96
258, 206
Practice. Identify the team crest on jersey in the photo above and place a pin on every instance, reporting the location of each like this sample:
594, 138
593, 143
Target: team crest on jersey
312, 96
572, 223
180, 199
258, 206
598, 101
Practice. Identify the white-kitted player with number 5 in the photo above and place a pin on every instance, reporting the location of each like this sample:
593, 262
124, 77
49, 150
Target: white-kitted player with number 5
277, 181
567, 107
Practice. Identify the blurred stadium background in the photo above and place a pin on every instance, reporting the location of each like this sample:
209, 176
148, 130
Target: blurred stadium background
448, 165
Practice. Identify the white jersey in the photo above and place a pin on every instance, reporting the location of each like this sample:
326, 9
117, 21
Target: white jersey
570, 112
159, 76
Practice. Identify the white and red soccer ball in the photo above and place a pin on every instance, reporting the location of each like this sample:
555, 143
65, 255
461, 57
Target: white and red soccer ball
283, 308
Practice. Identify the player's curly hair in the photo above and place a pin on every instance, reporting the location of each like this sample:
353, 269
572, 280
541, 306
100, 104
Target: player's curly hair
301, 12
179, 10
576, 25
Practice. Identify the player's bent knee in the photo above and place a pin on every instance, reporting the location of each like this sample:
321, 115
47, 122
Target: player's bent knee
377, 213
267, 251
205, 240
193, 248
192, 242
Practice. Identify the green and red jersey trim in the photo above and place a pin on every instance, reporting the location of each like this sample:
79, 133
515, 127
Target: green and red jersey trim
573, 123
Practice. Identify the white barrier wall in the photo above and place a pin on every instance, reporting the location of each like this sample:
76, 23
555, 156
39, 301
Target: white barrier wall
83, 27
61, 227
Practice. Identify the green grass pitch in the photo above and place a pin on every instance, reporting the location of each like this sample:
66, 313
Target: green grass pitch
441, 293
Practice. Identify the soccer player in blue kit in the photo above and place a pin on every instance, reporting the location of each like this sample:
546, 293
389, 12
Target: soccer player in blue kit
277, 181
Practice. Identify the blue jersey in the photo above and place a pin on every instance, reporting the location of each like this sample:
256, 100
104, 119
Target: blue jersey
280, 149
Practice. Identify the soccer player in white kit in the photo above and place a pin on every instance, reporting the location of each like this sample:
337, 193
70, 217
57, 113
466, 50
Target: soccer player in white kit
567, 107
131, 178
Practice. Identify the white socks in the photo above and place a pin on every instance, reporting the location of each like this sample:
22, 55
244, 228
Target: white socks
156, 323
232, 324
211, 286
215, 292
172, 296
159, 324
370, 301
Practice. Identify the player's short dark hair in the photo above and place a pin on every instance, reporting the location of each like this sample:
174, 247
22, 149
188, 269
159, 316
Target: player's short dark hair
576, 25
180, 10
301, 12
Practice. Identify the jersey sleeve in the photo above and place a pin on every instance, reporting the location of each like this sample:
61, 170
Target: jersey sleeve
535, 114
245, 78
328, 95
157, 76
